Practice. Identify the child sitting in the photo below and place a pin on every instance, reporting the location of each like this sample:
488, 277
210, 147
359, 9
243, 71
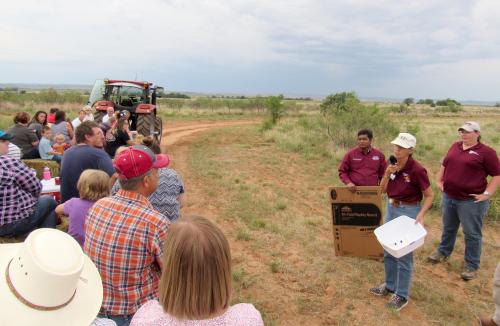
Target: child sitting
46, 151
60, 144
92, 186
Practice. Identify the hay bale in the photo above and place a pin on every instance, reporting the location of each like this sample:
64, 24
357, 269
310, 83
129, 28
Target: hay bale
39, 164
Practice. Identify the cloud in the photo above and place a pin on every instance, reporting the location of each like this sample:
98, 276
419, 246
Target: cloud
225, 46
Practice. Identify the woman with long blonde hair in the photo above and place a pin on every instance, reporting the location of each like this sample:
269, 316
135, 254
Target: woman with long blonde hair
195, 286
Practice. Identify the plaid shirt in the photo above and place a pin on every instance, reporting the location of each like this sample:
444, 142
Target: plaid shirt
124, 238
19, 190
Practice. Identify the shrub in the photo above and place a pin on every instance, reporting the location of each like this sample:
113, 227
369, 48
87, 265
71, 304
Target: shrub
340, 102
275, 108
448, 102
408, 101
343, 115
427, 101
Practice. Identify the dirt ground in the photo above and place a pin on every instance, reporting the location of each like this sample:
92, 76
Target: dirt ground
305, 291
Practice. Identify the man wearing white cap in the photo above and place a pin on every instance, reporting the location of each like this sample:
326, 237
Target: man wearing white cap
466, 194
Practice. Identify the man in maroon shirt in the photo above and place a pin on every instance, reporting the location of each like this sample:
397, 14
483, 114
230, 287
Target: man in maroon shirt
363, 165
466, 194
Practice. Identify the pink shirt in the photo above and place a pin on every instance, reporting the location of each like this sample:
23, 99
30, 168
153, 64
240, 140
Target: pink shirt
152, 314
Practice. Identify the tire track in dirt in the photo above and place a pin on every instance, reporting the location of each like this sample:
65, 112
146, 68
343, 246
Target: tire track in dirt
173, 134
176, 141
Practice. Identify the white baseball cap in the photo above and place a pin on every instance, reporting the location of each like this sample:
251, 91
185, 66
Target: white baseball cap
405, 140
470, 126
48, 280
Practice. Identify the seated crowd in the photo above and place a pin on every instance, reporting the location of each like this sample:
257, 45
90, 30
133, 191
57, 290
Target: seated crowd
150, 271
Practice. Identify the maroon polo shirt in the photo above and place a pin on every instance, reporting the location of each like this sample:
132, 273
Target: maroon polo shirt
362, 169
409, 182
465, 171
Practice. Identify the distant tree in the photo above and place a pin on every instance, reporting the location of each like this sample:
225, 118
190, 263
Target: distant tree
258, 103
274, 106
497, 104
409, 101
427, 101
176, 95
448, 102
340, 102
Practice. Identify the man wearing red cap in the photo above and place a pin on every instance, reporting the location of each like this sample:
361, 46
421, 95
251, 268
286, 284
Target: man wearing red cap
124, 235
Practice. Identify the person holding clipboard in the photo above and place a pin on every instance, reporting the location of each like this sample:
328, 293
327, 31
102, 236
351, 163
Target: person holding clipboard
406, 183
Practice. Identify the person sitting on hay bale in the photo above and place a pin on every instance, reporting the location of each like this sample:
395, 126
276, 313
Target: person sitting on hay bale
22, 209
92, 186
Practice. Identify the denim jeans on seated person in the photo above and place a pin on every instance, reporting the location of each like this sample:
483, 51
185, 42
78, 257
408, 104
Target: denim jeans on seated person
57, 158
43, 216
470, 215
398, 271
121, 320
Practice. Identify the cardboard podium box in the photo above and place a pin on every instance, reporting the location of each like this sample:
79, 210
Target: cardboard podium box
355, 215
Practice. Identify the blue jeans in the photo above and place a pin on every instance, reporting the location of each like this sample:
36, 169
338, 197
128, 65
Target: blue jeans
120, 320
398, 271
43, 216
470, 215
57, 158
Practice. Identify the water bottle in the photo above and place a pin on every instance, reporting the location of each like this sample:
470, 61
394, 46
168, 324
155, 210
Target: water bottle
46, 173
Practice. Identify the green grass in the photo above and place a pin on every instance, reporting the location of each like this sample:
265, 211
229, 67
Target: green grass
277, 195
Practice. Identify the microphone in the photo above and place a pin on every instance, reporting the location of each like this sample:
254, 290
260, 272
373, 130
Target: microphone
393, 160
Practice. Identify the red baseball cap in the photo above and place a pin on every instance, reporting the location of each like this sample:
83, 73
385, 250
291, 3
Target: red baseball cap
137, 160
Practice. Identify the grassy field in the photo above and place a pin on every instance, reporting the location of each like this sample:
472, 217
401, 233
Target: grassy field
271, 199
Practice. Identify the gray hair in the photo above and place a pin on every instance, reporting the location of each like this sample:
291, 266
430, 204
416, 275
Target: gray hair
133, 183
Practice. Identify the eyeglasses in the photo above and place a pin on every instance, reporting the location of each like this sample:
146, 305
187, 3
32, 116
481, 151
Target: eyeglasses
465, 132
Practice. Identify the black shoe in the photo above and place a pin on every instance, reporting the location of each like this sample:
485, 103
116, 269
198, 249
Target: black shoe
381, 290
397, 302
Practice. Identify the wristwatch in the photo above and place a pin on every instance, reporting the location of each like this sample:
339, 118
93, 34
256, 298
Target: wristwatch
487, 193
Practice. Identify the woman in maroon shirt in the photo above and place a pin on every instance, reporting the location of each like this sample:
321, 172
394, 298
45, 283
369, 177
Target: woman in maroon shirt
406, 183
466, 194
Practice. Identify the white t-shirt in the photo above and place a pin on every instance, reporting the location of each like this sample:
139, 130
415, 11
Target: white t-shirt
76, 122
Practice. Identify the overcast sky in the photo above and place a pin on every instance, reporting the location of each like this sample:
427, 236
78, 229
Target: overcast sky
395, 49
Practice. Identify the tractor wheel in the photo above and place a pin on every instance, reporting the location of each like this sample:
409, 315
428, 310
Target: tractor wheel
98, 116
149, 125
143, 124
158, 129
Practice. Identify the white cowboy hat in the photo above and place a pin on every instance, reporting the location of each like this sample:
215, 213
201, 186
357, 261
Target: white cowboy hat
48, 280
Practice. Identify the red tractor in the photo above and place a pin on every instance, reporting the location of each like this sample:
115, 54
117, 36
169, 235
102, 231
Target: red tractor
138, 98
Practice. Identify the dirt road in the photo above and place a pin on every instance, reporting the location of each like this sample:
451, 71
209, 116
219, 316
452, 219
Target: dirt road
177, 131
